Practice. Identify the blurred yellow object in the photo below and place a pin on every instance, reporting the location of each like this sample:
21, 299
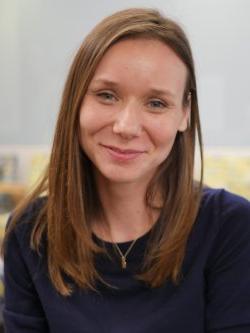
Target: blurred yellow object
37, 167
1, 289
228, 169
3, 221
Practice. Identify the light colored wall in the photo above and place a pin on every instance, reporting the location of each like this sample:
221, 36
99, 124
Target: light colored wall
38, 39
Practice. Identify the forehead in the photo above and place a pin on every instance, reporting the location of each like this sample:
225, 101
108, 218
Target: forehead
142, 61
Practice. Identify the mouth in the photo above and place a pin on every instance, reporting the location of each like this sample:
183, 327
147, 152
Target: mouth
123, 154
124, 151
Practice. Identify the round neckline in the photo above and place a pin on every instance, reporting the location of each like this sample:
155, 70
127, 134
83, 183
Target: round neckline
123, 244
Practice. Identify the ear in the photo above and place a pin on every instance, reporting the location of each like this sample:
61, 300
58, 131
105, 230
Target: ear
186, 114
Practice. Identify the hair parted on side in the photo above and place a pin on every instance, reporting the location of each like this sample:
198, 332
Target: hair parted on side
71, 196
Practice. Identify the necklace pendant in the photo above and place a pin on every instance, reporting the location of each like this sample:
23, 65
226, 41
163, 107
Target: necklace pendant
124, 262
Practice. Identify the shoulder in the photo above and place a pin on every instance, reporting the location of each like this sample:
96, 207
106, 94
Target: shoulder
21, 228
20, 258
223, 220
225, 208
222, 198
227, 261
228, 216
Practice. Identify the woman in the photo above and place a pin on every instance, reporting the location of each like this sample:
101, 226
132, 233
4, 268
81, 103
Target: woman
118, 236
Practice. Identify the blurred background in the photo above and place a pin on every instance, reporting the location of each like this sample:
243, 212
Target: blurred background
38, 40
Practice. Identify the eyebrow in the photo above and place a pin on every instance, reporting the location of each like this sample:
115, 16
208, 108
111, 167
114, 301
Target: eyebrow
154, 91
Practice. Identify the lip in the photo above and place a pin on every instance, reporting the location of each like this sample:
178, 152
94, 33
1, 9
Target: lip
123, 154
123, 151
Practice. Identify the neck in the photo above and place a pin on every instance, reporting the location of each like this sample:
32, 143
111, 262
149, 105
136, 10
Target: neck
126, 216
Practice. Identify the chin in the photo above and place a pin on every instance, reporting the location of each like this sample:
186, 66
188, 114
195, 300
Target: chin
124, 177
120, 179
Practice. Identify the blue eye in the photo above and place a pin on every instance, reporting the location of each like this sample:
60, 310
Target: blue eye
157, 104
106, 96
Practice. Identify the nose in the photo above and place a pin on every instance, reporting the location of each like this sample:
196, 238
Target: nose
127, 122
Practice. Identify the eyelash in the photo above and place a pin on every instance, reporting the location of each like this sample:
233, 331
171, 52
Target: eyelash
104, 94
160, 103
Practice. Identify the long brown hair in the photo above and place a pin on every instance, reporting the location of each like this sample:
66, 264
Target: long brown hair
72, 198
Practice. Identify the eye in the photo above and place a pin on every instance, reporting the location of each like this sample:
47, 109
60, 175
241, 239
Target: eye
106, 96
157, 104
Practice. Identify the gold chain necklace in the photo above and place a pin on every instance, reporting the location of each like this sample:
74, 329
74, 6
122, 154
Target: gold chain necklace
124, 256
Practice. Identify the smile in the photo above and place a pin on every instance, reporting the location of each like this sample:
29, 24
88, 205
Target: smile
122, 154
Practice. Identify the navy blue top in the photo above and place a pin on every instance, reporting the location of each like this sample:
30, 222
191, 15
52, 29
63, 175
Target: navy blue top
213, 296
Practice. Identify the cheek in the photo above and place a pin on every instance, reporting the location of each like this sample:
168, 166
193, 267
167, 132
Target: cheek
163, 133
90, 120
87, 127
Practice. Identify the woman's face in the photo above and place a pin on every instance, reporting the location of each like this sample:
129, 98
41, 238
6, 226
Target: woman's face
133, 110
